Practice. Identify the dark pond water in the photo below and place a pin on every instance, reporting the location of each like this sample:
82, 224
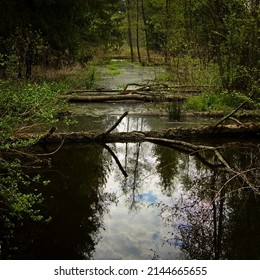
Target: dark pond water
172, 205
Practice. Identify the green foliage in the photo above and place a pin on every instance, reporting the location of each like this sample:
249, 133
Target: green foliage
25, 106
224, 101
113, 68
222, 35
67, 27
18, 206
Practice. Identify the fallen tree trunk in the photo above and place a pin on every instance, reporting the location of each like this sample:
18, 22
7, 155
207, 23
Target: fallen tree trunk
122, 97
201, 135
155, 88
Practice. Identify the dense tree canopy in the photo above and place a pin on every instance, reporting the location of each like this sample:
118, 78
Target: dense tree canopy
29, 27
225, 32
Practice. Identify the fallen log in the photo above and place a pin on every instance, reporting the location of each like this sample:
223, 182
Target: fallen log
122, 97
154, 87
222, 134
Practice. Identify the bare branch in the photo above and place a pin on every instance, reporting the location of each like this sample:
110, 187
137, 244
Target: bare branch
232, 113
115, 125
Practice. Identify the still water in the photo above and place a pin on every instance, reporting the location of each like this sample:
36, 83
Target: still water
172, 205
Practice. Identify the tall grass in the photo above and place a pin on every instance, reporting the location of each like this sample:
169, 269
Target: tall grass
212, 101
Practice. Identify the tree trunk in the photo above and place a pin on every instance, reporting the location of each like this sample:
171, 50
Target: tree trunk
130, 31
254, 52
175, 136
137, 32
167, 28
145, 30
215, 17
122, 97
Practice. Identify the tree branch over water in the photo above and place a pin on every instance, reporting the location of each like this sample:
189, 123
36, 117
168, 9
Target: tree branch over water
115, 125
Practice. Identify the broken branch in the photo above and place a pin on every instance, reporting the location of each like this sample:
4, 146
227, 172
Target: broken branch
115, 125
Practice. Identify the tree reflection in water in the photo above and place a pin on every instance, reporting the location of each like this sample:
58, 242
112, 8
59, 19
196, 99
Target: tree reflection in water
218, 209
76, 202
211, 210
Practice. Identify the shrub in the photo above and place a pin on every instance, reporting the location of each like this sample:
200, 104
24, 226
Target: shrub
25, 106
17, 206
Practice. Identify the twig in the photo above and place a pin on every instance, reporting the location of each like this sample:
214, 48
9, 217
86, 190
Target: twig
142, 87
223, 161
178, 142
48, 134
238, 174
236, 121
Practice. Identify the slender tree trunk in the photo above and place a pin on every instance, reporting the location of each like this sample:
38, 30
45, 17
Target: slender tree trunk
214, 9
130, 31
167, 28
146, 32
137, 32
188, 19
255, 41
220, 225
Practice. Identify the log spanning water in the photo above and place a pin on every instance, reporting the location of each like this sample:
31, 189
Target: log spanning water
220, 134
142, 93
122, 97
190, 141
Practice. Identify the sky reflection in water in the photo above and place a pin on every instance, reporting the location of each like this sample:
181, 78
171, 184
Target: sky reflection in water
133, 227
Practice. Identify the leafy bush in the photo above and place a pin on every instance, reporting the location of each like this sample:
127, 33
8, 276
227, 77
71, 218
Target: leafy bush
17, 206
27, 106
23, 108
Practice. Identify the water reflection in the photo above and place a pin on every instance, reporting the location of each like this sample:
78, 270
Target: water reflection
170, 206
216, 215
75, 200
133, 228
154, 116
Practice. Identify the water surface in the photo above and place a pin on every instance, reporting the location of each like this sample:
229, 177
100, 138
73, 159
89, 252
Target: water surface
171, 206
